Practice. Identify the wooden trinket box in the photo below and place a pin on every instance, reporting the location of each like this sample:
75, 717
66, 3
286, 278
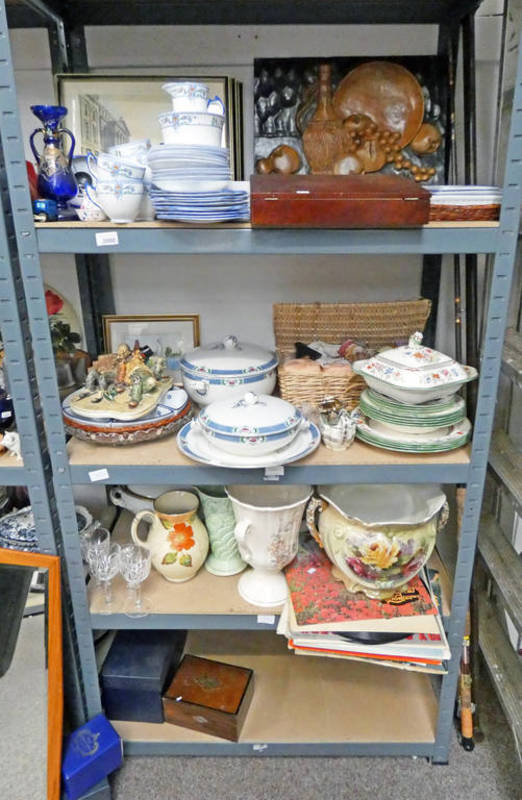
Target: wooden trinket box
210, 697
337, 201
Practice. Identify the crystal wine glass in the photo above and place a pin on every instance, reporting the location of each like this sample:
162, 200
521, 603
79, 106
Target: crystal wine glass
104, 566
95, 542
135, 565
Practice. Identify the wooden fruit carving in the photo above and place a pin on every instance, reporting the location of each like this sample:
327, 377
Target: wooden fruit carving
428, 140
283, 159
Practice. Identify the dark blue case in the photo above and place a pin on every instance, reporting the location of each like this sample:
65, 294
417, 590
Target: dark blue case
138, 667
90, 754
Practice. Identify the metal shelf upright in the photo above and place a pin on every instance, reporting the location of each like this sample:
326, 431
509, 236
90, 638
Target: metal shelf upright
74, 464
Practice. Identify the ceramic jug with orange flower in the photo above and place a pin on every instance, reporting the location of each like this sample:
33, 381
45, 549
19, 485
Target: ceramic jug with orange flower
177, 539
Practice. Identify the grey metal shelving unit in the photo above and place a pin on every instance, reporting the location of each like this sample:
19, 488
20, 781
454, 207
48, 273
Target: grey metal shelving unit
160, 462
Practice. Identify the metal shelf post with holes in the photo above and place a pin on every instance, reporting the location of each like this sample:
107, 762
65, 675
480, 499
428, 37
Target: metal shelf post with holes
206, 606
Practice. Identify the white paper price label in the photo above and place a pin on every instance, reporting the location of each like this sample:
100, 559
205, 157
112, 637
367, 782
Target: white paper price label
7, 414
98, 475
274, 473
107, 238
265, 619
258, 748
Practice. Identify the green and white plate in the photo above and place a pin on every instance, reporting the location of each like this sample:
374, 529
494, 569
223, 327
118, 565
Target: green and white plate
451, 439
428, 416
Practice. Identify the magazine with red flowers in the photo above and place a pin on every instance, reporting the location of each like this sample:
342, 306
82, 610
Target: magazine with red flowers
318, 602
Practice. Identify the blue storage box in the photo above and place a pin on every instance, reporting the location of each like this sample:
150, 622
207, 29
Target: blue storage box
90, 754
139, 665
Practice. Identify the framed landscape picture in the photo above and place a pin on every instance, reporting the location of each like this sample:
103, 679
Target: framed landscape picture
107, 110
169, 335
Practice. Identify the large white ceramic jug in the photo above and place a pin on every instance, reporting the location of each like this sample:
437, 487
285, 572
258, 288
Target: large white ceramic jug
268, 519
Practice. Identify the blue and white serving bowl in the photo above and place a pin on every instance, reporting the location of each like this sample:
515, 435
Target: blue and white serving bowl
227, 369
251, 425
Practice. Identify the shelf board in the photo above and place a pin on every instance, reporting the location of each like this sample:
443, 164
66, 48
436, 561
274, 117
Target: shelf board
242, 239
12, 472
340, 707
162, 462
204, 602
250, 12
504, 565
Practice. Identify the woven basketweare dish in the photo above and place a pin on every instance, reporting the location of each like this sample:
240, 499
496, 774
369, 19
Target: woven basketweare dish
376, 325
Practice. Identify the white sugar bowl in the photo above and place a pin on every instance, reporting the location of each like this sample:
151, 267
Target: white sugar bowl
253, 425
228, 369
414, 374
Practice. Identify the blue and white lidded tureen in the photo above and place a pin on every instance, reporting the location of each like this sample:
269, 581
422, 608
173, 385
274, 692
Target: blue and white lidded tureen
228, 369
251, 425
413, 373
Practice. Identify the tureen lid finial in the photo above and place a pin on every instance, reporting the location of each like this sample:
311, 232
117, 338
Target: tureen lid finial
415, 339
250, 398
230, 342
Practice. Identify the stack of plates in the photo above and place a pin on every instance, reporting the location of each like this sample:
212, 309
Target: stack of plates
169, 162
465, 202
424, 428
202, 201
167, 418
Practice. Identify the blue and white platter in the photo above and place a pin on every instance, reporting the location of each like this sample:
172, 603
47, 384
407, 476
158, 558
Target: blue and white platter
193, 443
17, 530
173, 402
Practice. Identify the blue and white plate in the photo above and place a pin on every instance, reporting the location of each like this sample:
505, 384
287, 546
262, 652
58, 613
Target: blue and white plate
174, 401
18, 528
193, 443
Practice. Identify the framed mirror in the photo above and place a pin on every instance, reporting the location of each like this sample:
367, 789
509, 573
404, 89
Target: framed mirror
31, 671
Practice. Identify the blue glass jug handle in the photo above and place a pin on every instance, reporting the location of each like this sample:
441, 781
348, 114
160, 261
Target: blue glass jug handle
73, 143
33, 148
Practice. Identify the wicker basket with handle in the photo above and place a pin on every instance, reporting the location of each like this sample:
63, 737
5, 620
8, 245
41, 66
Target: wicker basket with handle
375, 324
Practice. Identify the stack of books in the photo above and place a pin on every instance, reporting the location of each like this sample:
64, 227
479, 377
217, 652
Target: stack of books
322, 618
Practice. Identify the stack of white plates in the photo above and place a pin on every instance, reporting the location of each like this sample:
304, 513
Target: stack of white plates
202, 201
169, 162
456, 195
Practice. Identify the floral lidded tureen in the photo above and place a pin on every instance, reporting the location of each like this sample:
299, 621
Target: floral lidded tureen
377, 536
252, 424
228, 369
413, 373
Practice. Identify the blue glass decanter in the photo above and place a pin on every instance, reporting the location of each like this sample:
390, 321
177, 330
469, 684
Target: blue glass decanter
56, 179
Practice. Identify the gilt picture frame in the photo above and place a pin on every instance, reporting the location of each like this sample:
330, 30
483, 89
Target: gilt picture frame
170, 335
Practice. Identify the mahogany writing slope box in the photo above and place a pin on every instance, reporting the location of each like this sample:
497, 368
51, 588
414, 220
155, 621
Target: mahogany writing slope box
337, 201
209, 696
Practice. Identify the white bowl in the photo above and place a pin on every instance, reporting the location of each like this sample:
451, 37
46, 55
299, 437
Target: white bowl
106, 166
121, 201
192, 128
205, 390
251, 445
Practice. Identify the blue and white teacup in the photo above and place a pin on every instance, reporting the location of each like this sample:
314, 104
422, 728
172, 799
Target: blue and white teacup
106, 166
193, 96
120, 200
192, 129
